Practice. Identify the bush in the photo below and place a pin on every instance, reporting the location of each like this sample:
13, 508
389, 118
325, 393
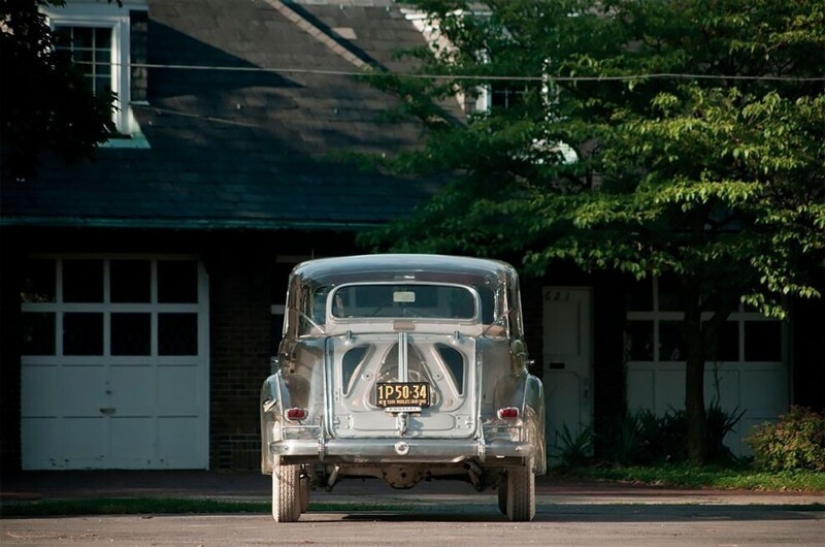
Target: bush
796, 441
645, 438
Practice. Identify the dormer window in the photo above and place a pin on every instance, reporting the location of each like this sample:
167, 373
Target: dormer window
97, 37
501, 94
91, 49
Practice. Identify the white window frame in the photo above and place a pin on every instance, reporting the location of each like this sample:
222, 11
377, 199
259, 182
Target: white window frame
107, 15
740, 316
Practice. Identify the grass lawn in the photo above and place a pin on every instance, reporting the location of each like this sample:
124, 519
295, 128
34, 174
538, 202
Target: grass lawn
737, 478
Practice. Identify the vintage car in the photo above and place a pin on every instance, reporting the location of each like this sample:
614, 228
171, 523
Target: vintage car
402, 367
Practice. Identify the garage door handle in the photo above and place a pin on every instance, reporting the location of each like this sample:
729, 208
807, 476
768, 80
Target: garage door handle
107, 411
557, 366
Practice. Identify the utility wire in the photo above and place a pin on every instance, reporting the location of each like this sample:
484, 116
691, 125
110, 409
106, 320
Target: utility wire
628, 77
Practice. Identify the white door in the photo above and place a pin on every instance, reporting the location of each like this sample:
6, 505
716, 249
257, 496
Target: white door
567, 366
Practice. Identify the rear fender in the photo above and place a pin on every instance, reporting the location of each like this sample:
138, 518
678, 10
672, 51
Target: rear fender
274, 399
526, 392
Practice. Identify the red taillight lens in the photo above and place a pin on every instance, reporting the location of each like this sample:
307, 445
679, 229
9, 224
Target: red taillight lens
296, 413
508, 413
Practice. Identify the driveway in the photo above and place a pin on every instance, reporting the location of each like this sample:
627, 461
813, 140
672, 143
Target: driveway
569, 513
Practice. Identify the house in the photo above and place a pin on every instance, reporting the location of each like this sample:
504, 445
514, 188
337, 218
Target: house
142, 294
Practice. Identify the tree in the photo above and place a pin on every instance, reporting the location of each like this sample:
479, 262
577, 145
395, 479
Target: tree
698, 133
45, 101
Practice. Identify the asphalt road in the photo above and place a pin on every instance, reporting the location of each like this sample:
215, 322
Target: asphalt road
619, 525
431, 514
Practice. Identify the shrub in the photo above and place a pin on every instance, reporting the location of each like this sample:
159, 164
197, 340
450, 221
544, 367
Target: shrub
576, 450
795, 441
719, 424
645, 438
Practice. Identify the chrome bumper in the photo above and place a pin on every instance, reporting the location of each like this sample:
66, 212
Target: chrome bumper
404, 450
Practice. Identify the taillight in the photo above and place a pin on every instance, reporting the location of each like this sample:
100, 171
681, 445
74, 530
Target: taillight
296, 414
508, 413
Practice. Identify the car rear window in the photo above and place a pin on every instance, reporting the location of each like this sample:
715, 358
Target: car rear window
404, 300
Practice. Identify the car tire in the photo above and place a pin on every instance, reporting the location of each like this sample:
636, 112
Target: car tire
286, 503
502, 494
521, 494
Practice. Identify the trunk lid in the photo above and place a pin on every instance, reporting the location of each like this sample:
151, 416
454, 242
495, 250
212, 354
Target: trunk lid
418, 367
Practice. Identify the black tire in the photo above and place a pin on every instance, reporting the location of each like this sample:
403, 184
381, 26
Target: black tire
502, 494
286, 503
521, 494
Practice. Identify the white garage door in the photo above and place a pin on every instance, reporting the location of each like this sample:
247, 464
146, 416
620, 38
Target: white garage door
115, 363
748, 372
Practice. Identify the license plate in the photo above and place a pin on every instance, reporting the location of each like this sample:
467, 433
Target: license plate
397, 394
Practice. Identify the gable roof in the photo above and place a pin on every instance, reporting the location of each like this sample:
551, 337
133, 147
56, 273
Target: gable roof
245, 102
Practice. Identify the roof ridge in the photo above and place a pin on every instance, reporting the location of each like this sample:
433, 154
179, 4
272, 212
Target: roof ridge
292, 13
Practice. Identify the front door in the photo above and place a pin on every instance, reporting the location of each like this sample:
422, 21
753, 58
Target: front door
567, 367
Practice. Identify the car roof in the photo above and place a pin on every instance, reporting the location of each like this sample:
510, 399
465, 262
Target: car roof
405, 267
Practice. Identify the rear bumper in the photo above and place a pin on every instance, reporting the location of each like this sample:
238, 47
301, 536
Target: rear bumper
401, 450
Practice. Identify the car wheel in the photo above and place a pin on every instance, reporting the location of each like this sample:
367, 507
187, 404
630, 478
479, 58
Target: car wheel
286, 503
521, 493
502, 494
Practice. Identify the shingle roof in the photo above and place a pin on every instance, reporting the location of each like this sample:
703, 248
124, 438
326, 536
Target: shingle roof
236, 148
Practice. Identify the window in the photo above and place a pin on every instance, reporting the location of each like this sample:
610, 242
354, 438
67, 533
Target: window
654, 330
503, 95
97, 37
123, 307
91, 49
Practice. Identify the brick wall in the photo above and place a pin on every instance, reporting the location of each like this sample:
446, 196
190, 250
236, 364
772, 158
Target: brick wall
240, 325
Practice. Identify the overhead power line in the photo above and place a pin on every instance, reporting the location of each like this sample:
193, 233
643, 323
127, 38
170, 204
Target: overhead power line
626, 77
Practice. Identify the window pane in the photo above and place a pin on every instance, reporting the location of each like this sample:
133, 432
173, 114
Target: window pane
727, 345
763, 341
131, 333
671, 341
640, 342
177, 281
669, 294
103, 41
505, 94
38, 281
83, 281
404, 301
83, 334
38, 333
82, 37
130, 280
91, 49
177, 334
640, 296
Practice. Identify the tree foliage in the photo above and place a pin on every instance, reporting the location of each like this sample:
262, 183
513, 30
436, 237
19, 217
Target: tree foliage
698, 129
45, 101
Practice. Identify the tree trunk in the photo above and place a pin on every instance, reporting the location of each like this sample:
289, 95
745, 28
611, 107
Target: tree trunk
695, 387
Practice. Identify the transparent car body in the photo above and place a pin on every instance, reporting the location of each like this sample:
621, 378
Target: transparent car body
405, 368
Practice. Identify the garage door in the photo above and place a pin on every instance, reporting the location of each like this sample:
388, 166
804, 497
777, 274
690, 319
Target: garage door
115, 363
747, 373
